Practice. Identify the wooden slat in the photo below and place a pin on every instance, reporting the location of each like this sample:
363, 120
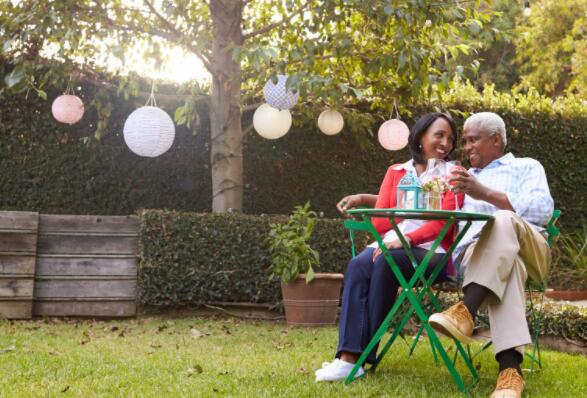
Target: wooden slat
19, 220
18, 242
64, 244
16, 287
93, 224
80, 288
14, 309
17, 265
109, 309
86, 266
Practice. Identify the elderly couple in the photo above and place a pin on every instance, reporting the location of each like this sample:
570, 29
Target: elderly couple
496, 257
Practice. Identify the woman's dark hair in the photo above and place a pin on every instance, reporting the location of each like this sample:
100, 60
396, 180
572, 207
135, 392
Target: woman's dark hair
420, 128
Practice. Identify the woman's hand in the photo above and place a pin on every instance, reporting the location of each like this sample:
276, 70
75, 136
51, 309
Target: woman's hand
348, 202
394, 244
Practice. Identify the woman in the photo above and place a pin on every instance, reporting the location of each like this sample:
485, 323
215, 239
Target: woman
370, 288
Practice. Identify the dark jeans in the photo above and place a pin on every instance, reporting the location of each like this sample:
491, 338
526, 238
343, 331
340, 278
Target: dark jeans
369, 292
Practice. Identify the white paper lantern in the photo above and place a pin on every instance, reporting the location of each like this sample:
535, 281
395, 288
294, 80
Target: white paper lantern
393, 135
67, 109
149, 131
271, 123
330, 122
278, 96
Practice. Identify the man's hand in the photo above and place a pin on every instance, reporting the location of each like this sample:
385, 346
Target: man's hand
394, 244
467, 184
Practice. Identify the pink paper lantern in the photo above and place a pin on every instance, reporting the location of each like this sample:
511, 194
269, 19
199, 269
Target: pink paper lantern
67, 109
393, 135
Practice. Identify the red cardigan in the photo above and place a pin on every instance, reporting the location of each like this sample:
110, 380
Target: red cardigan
387, 198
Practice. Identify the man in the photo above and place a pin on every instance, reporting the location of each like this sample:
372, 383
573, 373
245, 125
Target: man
497, 257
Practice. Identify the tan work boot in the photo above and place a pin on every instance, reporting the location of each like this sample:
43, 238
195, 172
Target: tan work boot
509, 384
455, 322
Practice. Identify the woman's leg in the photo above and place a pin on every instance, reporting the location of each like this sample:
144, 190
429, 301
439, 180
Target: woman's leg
354, 318
384, 285
368, 294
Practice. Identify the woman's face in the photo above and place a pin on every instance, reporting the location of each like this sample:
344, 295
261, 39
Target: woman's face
437, 141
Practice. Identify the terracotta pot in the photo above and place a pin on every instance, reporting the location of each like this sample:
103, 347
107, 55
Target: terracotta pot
313, 304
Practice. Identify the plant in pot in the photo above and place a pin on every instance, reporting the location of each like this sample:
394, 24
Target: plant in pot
310, 299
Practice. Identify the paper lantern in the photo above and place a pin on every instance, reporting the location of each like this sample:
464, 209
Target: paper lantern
393, 135
278, 96
149, 131
271, 123
67, 108
330, 122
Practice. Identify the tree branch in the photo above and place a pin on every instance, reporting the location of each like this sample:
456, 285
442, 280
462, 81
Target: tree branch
272, 26
251, 107
176, 34
248, 129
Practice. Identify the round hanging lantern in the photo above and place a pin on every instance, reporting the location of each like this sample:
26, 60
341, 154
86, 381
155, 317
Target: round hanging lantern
67, 108
271, 123
393, 135
149, 131
330, 122
278, 96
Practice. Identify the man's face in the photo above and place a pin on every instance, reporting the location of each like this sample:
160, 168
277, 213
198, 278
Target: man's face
481, 147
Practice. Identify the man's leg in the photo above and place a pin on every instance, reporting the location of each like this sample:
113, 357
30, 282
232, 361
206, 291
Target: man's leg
497, 266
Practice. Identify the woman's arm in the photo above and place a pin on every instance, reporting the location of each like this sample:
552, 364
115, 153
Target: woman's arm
430, 230
351, 201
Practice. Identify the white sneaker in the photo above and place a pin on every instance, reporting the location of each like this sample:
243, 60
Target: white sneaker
336, 370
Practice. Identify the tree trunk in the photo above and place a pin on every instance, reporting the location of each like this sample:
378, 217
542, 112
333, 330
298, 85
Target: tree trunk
225, 115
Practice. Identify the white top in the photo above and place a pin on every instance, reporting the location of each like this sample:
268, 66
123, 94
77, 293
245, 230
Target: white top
408, 225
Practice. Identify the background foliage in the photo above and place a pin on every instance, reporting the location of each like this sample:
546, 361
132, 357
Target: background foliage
53, 168
191, 258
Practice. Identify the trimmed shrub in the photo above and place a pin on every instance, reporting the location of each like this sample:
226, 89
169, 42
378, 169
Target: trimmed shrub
191, 258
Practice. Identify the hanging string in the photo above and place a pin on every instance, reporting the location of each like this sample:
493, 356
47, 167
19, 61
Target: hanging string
396, 110
151, 101
69, 89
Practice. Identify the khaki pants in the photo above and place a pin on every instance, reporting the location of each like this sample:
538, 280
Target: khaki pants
509, 250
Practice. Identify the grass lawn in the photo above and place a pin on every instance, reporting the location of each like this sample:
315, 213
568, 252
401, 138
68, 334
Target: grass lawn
192, 357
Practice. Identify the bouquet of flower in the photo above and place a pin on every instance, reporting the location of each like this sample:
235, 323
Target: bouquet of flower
436, 185
433, 190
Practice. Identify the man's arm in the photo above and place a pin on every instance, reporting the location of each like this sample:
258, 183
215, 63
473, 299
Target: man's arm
534, 203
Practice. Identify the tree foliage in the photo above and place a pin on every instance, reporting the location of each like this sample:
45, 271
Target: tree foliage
552, 47
337, 52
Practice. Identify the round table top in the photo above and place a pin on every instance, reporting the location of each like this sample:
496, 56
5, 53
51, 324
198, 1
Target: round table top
423, 214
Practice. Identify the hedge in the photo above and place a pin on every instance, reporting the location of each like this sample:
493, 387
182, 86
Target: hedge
47, 167
192, 258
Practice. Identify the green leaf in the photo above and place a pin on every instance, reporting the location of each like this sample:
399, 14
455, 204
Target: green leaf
14, 77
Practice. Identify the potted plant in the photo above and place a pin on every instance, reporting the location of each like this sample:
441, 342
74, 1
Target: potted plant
310, 299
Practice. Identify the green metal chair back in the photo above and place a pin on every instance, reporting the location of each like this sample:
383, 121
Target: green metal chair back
552, 229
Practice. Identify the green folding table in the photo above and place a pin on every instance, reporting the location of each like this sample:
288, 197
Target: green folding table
412, 292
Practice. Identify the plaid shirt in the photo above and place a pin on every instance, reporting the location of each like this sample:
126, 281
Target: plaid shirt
523, 180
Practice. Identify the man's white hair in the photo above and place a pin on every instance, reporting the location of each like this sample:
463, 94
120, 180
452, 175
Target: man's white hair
489, 122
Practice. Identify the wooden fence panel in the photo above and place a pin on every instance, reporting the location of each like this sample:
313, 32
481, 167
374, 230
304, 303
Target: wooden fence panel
18, 248
87, 266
